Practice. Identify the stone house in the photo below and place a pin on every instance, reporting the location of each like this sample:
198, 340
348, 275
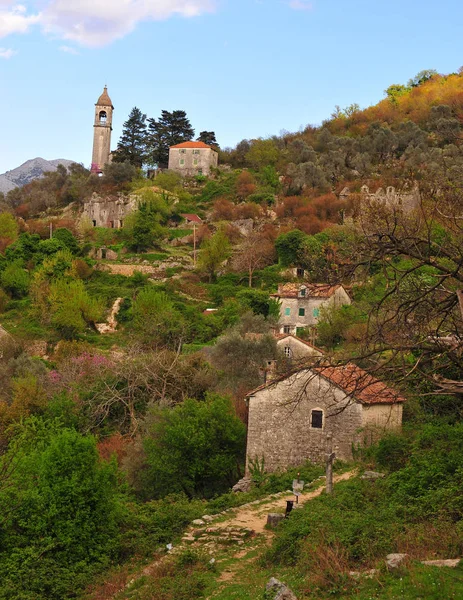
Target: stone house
301, 303
192, 158
293, 348
290, 417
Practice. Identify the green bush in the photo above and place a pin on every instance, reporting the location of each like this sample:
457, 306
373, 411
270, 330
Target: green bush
15, 280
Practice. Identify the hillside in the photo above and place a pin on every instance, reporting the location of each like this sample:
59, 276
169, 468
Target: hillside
142, 322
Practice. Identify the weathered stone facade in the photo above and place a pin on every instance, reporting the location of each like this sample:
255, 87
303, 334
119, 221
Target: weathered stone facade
109, 211
294, 348
102, 129
192, 158
282, 416
301, 303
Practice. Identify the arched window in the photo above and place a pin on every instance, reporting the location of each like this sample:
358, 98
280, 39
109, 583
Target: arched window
103, 116
316, 418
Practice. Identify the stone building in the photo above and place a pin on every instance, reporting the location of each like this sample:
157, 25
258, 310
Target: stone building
293, 348
290, 417
192, 158
390, 197
109, 212
102, 129
301, 303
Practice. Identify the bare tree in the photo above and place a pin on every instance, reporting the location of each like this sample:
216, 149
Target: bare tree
254, 252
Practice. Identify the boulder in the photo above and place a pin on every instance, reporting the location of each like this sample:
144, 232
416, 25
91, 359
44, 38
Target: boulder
198, 522
273, 519
448, 562
372, 475
394, 561
243, 485
276, 590
207, 518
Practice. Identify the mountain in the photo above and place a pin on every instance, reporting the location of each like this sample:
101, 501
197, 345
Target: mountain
28, 171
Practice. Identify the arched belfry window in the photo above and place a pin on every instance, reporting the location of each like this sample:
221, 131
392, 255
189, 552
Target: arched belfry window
103, 117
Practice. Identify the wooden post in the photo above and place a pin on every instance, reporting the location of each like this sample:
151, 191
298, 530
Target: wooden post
329, 463
51, 229
194, 244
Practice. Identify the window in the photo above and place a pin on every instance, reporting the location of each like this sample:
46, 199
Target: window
182, 161
316, 312
316, 419
286, 329
195, 161
302, 292
287, 312
288, 352
302, 312
103, 117
182, 151
195, 151
300, 273
94, 223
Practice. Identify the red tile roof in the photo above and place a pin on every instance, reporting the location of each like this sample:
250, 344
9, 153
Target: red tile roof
191, 145
352, 380
361, 385
313, 290
191, 217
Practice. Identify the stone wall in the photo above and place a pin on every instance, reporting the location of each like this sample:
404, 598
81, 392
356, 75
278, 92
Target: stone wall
297, 348
109, 211
405, 199
279, 428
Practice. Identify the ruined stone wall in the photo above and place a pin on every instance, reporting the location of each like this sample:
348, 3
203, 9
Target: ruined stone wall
390, 197
109, 212
279, 428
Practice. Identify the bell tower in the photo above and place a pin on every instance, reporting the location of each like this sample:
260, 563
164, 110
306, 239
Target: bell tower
102, 132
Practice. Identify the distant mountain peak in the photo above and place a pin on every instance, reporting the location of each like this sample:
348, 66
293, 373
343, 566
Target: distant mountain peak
28, 171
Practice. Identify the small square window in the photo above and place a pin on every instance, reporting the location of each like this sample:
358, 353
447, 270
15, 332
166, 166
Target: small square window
302, 292
287, 312
182, 162
316, 419
195, 151
286, 329
302, 312
182, 151
195, 161
316, 312
300, 272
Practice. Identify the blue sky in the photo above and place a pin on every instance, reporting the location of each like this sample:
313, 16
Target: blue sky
243, 68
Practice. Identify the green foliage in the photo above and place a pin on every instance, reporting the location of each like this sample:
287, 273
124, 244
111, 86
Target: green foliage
214, 251
8, 227
168, 180
65, 236
131, 147
195, 447
72, 309
257, 300
155, 319
143, 229
15, 279
290, 247
59, 518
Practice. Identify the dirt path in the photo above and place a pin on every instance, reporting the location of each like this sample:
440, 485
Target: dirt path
255, 516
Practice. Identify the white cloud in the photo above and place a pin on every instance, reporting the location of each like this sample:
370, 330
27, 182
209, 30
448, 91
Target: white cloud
7, 52
14, 18
301, 4
99, 22
69, 50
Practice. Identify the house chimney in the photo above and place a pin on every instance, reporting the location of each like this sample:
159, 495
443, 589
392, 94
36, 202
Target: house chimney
270, 371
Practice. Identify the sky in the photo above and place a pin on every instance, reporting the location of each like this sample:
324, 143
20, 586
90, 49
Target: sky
241, 68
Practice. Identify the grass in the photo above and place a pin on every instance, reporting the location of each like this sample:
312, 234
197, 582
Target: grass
179, 233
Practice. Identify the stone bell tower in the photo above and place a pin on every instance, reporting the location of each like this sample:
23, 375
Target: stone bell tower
102, 132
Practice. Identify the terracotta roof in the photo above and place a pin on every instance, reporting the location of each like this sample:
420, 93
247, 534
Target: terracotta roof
104, 99
191, 145
313, 290
352, 380
191, 217
361, 385
281, 336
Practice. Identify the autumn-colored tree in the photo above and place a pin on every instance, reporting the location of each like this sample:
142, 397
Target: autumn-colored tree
254, 252
245, 185
224, 210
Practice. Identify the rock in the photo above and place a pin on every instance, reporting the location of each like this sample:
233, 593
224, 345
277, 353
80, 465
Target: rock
368, 574
189, 539
448, 562
273, 519
372, 475
198, 522
394, 561
276, 590
207, 518
243, 485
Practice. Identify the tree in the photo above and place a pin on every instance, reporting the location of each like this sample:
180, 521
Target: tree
254, 252
262, 153
290, 247
143, 228
65, 236
214, 251
197, 447
422, 77
208, 137
15, 279
71, 307
132, 145
155, 318
170, 129
8, 230
58, 514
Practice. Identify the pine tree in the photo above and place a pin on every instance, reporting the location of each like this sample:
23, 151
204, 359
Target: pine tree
208, 137
172, 128
132, 145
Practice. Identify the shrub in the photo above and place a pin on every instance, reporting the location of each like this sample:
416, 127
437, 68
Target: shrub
15, 280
